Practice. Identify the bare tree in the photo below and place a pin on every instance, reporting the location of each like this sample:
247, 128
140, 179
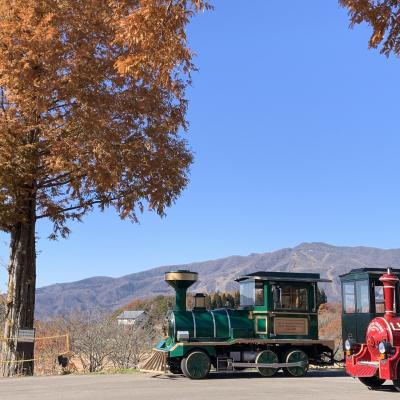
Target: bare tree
99, 342
131, 344
90, 339
2, 311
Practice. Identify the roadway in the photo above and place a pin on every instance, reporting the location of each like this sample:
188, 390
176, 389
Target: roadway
241, 386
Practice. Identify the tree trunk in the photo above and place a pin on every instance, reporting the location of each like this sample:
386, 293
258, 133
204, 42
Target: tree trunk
20, 296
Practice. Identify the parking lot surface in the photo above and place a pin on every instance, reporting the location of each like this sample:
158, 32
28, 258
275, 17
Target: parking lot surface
245, 385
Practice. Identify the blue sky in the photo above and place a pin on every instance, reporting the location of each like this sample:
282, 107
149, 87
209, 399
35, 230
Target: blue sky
294, 125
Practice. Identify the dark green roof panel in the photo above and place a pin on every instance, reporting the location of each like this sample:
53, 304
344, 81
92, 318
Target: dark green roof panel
283, 276
367, 271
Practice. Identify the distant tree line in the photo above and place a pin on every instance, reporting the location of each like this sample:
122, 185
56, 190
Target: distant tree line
223, 299
158, 306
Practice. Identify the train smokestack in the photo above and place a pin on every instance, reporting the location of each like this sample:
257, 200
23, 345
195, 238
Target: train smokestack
180, 280
389, 285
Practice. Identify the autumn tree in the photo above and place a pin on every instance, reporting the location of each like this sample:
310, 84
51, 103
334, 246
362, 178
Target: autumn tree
92, 100
384, 18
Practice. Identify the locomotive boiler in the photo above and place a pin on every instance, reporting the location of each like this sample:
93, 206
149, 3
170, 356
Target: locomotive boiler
274, 328
373, 353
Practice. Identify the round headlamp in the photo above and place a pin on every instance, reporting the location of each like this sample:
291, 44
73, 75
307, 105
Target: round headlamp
384, 347
348, 345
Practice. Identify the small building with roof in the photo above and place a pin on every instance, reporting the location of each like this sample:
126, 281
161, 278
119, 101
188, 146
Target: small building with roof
132, 317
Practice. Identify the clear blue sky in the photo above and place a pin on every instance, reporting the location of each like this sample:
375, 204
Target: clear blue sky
294, 123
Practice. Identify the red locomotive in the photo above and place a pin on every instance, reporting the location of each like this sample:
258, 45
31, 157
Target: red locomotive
377, 359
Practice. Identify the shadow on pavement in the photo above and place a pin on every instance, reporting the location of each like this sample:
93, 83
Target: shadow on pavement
331, 373
254, 374
384, 388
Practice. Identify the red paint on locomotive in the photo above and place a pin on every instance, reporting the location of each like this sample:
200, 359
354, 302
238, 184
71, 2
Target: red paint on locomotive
380, 355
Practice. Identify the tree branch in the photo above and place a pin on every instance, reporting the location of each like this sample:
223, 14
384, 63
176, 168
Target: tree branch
72, 208
90, 203
50, 181
60, 106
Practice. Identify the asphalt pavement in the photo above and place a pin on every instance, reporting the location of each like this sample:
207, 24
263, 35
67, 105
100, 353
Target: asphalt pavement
332, 384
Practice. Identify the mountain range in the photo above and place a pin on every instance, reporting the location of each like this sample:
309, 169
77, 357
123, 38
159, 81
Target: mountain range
105, 293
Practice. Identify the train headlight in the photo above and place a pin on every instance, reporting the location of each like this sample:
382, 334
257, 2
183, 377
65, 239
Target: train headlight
384, 347
348, 344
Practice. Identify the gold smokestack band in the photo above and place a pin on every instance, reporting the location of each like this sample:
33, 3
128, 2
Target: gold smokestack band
181, 276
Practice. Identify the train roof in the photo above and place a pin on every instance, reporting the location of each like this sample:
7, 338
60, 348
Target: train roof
282, 276
369, 271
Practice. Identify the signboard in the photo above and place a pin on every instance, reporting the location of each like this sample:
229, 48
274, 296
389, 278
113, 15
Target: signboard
291, 326
26, 335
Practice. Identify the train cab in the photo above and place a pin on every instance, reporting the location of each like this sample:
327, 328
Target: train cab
363, 300
282, 304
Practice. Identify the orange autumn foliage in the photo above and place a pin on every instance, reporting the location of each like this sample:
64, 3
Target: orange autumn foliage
92, 96
383, 17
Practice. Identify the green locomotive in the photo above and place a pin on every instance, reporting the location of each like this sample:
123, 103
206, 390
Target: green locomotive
275, 327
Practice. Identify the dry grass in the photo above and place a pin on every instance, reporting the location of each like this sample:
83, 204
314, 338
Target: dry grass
330, 325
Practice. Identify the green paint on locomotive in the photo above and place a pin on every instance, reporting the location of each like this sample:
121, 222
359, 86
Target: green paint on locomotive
204, 325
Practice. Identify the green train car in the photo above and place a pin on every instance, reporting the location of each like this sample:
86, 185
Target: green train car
275, 327
363, 300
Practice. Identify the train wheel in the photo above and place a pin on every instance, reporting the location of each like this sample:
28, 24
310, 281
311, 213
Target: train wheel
374, 382
196, 365
296, 355
267, 357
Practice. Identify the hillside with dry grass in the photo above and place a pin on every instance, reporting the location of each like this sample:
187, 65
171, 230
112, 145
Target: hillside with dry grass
109, 294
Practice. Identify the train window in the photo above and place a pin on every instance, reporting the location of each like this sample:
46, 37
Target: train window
259, 293
247, 293
291, 298
349, 298
379, 300
362, 292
